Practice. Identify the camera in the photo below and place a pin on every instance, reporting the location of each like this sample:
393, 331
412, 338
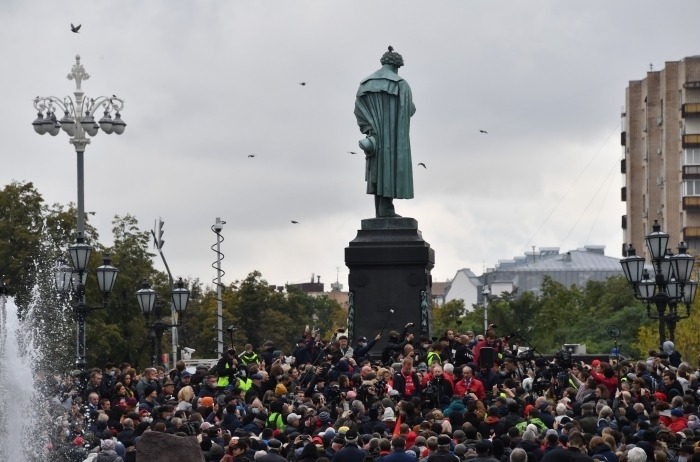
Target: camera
188, 350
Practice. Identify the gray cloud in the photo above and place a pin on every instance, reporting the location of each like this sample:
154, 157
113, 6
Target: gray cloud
207, 83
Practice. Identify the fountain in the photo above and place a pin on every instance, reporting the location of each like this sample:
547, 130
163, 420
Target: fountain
19, 439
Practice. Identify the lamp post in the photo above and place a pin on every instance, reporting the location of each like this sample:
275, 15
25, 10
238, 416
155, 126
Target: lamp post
150, 305
79, 123
671, 284
486, 293
71, 280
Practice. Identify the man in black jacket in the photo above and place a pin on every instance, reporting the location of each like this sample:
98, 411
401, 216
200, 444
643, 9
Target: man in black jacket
396, 344
351, 452
363, 348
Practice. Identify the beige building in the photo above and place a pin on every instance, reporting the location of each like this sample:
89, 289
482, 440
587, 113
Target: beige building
661, 159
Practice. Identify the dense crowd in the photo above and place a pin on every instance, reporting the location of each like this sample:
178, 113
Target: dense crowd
461, 397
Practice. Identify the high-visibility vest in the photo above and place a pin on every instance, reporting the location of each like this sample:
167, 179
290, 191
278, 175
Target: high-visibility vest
433, 356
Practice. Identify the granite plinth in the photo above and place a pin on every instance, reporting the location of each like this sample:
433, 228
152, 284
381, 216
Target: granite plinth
389, 281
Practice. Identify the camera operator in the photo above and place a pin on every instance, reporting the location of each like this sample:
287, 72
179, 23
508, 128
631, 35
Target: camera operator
436, 388
367, 393
396, 344
227, 367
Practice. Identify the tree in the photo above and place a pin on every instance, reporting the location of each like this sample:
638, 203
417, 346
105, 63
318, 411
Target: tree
447, 316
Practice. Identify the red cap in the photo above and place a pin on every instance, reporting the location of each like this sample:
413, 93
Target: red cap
595, 363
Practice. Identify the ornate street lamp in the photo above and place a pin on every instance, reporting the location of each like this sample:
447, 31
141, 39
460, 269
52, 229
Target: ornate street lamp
150, 305
670, 285
79, 125
66, 282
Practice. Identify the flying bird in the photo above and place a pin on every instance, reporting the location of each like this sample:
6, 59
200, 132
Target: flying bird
352, 152
422, 164
251, 155
483, 131
302, 83
75, 29
295, 222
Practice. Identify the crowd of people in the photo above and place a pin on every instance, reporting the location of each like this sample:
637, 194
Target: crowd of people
460, 397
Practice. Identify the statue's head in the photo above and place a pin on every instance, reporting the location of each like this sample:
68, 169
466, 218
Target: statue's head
392, 58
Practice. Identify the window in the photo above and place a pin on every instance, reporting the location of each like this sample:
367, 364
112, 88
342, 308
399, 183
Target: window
691, 188
691, 156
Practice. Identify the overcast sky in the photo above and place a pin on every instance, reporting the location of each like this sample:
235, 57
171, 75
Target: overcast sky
208, 83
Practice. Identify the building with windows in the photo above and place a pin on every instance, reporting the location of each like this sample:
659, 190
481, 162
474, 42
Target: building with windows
526, 273
661, 155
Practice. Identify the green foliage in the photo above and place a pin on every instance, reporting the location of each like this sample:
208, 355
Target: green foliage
447, 316
570, 315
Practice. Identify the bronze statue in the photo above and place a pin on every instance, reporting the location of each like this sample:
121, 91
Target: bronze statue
383, 108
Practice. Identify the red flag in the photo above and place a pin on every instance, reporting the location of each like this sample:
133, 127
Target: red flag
397, 427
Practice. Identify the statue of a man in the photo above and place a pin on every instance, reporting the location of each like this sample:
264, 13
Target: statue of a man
383, 108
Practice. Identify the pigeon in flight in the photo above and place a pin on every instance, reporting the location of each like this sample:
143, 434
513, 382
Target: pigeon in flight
251, 155
483, 131
352, 152
75, 29
302, 83
295, 222
422, 164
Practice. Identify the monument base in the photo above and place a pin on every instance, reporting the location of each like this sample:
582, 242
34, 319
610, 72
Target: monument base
389, 281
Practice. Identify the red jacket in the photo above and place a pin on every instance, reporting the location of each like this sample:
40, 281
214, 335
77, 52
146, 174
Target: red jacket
612, 382
475, 386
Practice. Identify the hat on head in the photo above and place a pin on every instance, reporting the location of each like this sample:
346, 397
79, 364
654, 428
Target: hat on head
207, 401
148, 390
206, 426
280, 389
292, 417
168, 382
317, 440
132, 402
362, 339
351, 435
184, 374
274, 443
543, 407
422, 367
107, 444
343, 335
443, 440
324, 416
256, 377
677, 412
595, 363
343, 430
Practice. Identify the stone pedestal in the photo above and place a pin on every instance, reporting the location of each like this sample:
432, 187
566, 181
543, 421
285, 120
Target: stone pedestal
389, 265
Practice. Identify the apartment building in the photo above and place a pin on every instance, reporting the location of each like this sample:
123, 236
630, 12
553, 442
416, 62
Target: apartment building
661, 155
